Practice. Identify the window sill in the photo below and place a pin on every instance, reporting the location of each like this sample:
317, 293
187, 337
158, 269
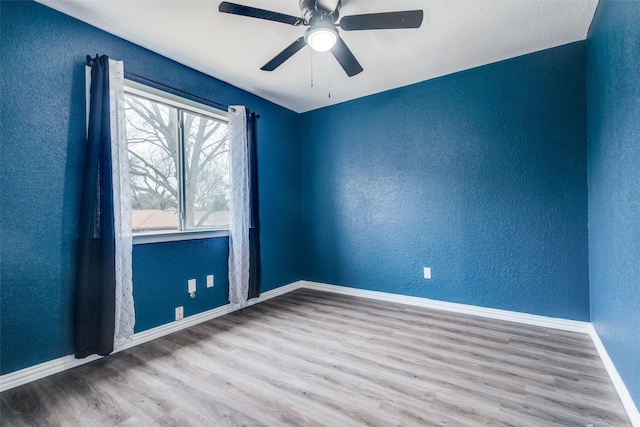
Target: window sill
175, 236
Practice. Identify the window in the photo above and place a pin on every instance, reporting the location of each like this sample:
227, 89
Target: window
179, 164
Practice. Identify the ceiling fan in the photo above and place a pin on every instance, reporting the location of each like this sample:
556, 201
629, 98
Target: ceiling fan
322, 34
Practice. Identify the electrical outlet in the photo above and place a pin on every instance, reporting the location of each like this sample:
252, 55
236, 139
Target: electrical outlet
179, 313
191, 286
427, 272
210, 281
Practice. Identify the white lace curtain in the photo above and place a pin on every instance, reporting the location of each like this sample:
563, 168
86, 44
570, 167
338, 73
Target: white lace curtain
125, 314
240, 209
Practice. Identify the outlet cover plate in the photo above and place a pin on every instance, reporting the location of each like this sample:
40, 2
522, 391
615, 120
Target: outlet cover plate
210, 281
179, 313
427, 272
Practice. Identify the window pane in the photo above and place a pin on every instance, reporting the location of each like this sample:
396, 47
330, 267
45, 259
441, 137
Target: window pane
152, 138
206, 163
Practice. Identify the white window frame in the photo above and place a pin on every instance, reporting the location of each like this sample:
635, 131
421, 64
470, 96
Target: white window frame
138, 89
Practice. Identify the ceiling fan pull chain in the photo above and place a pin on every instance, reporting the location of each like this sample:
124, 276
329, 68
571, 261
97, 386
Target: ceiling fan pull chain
329, 72
311, 67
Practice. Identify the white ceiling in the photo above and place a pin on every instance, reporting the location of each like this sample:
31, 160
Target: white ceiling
455, 36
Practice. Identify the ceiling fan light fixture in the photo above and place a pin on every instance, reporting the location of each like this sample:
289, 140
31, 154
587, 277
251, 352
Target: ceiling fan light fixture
321, 38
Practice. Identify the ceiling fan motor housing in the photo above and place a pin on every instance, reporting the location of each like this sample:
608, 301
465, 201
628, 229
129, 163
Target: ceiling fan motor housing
311, 12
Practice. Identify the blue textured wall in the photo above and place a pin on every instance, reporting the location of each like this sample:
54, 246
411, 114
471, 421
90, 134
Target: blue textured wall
42, 129
480, 175
613, 77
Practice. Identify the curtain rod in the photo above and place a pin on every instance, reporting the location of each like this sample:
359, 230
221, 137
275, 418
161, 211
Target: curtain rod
127, 73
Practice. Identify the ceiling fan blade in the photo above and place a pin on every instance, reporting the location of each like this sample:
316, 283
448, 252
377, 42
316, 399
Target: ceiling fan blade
254, 12
383, 21
284, 55
345, 58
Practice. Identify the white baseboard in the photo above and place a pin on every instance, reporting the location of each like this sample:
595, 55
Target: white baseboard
32, 373
512, 316
623, 393
45, 369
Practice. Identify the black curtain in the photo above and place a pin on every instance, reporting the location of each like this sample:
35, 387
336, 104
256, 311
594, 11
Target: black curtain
94, 306
255, 266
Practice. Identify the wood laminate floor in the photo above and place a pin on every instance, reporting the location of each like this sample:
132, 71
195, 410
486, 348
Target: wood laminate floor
311, 358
